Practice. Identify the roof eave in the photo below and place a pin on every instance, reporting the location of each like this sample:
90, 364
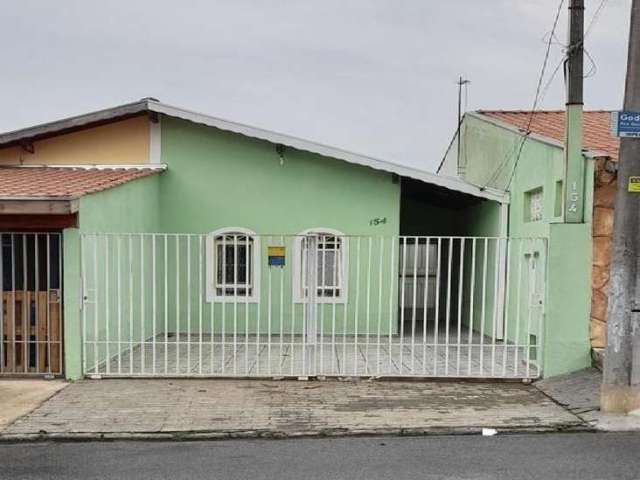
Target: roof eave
38, 205
327, 151
152, 105
58, 127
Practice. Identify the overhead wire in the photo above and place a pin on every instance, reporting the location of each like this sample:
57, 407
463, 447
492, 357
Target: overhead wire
541, 93
536, 99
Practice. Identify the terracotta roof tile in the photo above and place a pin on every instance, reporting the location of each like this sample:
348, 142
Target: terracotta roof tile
550, 123
64, 182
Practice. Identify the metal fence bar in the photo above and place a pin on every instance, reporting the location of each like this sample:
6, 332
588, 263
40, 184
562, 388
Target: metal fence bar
177, 322
119, 300
223, 300
496, 299
130, 291
84, 289
356, 318
402, 301
530, 300
436, 340
416, 249
485, 254
454, 280
36, 291
516, 339
471, 305
460, 294
154, 313
380, 262
25, 306
426, 305
188, 301
448, 304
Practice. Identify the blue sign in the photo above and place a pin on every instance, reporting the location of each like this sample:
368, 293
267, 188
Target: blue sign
625, 124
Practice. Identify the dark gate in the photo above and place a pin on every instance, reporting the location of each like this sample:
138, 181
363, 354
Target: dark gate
31, 292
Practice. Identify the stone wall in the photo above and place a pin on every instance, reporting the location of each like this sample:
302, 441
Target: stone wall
603, 204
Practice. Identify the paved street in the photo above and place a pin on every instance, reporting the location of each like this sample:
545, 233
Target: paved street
511, 457
167, 408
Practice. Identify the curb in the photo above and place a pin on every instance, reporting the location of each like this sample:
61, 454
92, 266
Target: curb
199, 435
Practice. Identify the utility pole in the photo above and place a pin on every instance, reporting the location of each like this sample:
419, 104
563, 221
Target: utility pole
461, 83
621, 383
573, 159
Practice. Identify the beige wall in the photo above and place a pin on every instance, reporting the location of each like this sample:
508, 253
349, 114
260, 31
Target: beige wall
603, 204
120, 143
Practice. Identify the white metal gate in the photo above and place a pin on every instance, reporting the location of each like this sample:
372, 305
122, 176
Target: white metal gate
324, 304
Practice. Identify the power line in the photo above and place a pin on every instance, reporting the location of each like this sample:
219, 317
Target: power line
594, 18
535, 103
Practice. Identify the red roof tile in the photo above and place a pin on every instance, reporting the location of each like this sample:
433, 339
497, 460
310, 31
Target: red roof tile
550, 123
64, 182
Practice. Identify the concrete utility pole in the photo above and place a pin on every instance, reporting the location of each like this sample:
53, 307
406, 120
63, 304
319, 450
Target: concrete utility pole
621, 383
573, 159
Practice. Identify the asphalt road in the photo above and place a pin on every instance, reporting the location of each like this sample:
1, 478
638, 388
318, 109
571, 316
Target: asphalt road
549, 456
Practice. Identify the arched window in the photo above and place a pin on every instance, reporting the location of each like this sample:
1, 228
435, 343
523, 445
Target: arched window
330, 256
233, 264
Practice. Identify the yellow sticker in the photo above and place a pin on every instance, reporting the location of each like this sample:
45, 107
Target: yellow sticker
275, 251
634, 184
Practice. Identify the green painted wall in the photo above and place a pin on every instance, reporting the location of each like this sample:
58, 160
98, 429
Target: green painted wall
72, 327
566, 343
566, 257
132, 207
219, 179
480, 268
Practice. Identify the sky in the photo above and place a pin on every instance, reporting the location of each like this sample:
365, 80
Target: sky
370, 76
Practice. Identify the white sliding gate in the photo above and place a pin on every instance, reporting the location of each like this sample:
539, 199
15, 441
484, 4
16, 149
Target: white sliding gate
244, 305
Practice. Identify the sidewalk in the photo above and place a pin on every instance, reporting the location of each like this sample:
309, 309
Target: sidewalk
579, 392
198, 409
20, 396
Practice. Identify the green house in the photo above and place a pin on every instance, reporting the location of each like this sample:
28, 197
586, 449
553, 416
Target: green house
521, 155
149, 240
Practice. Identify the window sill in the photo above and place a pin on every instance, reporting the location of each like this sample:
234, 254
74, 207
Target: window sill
330, 301
232, 299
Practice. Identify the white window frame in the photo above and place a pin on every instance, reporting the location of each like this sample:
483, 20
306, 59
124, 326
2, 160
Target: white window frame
298, 296
211, 267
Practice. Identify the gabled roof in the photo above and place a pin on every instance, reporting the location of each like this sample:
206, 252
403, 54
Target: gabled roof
153, 106
598, 138
65, 183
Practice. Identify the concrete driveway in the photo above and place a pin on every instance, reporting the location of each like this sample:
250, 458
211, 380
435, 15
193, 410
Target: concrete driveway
165, 408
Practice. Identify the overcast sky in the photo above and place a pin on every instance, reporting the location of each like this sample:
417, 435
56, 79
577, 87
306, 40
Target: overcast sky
375, 77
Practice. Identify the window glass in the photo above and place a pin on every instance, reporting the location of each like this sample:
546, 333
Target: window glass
328, 268
234, 264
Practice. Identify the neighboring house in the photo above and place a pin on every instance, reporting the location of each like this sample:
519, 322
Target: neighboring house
490, 141
148, 240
